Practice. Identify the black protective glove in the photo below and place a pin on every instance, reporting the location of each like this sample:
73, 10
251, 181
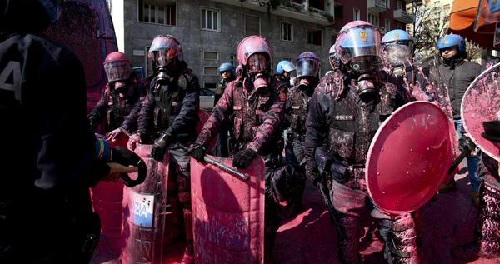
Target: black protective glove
145, 137
197, 151
243, 158
127, 157
160, 146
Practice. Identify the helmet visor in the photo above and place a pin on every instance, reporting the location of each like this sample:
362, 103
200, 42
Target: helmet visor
257, 62
396, 54
307, 67
117, 70
163, 56
359, 42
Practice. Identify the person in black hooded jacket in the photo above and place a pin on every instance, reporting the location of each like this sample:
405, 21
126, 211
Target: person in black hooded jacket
49, 153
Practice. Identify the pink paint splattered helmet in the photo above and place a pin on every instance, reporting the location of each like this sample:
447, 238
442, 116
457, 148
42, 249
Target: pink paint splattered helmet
117, 66
164, 49
254, 54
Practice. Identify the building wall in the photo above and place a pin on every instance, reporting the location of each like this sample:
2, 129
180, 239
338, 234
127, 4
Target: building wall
137, 35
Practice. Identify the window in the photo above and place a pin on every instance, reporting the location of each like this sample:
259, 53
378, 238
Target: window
399, 5
210, 19
337, 12
356, 14
286, 31
210, 55
252, 25
152, 12
388, 4
315, 37
387, 25
373, 19
209, 70
318, 4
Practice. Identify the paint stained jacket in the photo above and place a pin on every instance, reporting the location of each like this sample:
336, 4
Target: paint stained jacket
115, 107
256, 115
172, 107
341, 124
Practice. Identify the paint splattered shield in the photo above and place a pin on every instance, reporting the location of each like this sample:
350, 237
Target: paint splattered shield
409, 157
228, 212
481, 103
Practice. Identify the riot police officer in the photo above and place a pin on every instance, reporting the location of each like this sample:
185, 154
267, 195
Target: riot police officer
255, 105
290, 186
344, 113
122, 94
169, 116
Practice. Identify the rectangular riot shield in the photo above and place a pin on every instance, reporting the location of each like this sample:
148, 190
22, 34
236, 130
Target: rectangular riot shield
228, 211
151, 223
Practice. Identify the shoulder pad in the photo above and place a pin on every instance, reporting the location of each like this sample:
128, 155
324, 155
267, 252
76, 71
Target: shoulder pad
331, 83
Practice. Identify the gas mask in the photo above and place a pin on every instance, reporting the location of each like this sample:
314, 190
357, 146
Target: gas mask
162, 76
164, 60
363, 70
120, 88
365, 86
307, 85
303, 83
257, 67
397, 58
260, 81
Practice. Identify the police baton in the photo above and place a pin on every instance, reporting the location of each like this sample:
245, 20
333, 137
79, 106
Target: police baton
466, 146
231, 170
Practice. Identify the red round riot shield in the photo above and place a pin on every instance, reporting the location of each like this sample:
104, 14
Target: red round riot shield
409, 157
480, 103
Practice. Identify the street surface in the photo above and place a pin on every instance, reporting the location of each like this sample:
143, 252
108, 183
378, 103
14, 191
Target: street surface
448, 221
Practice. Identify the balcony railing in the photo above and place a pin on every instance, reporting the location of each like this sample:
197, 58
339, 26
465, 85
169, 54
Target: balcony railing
402, 16
286, 9
376, 6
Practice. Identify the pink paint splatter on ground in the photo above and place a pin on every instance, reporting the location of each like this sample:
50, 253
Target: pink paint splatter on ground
447, 222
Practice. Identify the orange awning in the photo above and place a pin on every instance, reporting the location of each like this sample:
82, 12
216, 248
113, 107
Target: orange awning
462, 18
463, 14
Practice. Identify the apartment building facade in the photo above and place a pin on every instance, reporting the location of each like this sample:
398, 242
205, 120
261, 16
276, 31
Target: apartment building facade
209, 30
